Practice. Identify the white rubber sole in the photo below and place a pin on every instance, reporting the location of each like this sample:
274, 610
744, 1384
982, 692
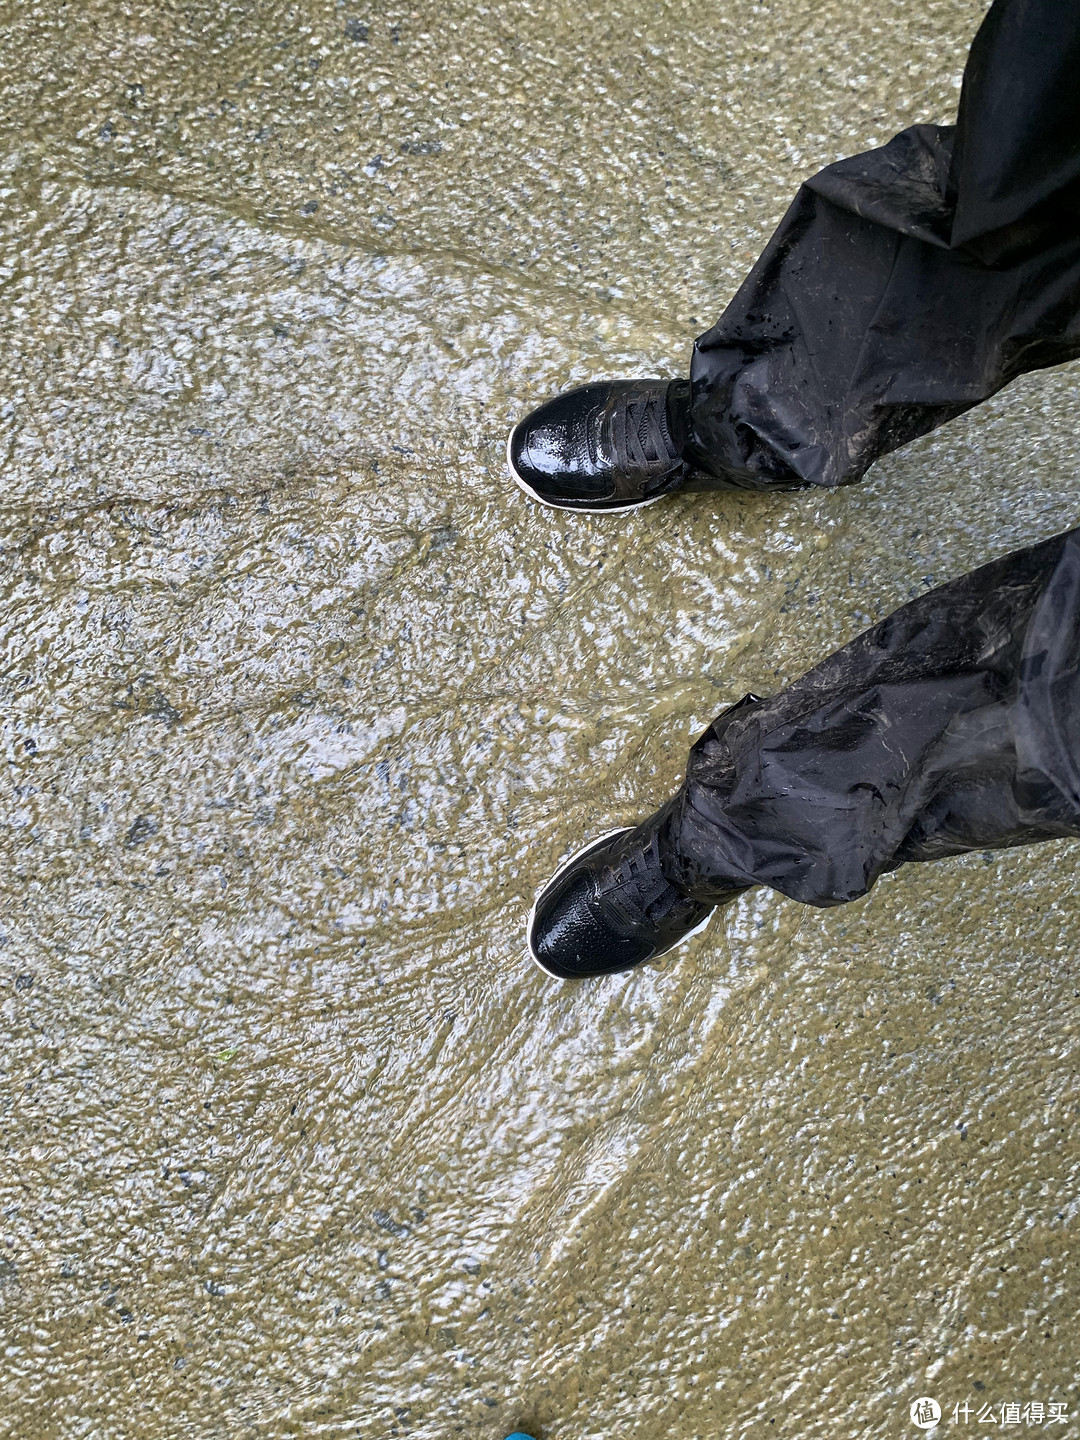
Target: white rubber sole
587, 849
571, 509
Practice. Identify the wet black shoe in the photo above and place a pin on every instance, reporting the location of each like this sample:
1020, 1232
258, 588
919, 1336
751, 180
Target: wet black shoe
608, 447
610, 907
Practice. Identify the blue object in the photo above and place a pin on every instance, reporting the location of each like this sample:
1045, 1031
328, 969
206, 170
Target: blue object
519, 1435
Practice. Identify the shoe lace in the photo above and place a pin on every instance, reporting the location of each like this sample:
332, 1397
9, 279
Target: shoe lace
638, 886
640, 433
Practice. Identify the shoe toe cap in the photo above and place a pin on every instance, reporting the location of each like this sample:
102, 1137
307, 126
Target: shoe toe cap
551, 450
568, 938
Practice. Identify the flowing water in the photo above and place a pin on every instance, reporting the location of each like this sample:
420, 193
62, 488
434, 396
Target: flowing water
301, 701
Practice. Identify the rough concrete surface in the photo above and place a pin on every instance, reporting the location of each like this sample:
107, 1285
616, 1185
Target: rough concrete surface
301, 700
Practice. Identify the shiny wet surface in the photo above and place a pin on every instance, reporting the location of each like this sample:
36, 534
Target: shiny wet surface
302, 700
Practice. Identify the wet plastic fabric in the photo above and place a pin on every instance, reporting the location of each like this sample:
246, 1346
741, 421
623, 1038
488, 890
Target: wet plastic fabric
953, 725
907, 284
904, 286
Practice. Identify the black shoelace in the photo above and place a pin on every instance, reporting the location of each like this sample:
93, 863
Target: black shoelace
638, 887
640, 435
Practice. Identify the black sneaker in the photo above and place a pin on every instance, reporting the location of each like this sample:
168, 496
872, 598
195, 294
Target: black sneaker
607, 447
610, 907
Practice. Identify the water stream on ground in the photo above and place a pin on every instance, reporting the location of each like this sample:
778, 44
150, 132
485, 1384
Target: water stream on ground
301, 701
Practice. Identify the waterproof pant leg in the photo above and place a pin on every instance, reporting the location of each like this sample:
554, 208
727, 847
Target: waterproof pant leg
952, 725
907, 284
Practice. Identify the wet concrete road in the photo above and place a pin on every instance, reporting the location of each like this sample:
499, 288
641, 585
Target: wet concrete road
301, 700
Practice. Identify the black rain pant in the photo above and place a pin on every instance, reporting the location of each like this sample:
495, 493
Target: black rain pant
908, 284
903, 287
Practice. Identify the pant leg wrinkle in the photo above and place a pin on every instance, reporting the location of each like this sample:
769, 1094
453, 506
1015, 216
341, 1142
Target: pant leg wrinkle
928, 273
950, 726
